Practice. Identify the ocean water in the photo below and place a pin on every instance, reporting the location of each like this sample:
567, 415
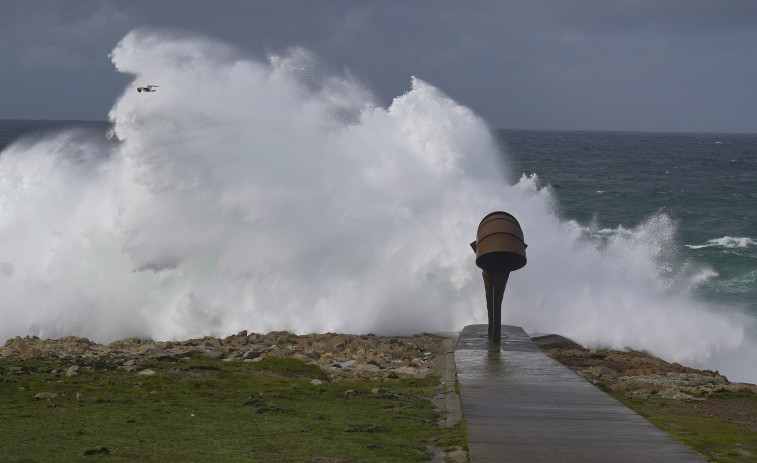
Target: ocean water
274, 195
703, 186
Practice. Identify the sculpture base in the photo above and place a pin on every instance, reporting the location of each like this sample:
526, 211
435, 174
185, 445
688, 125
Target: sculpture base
512, 338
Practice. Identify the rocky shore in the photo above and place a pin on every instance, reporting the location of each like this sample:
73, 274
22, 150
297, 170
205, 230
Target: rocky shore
637, 373
345, 356
341, 356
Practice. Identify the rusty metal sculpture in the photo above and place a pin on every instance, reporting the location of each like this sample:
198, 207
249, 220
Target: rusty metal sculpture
500, 249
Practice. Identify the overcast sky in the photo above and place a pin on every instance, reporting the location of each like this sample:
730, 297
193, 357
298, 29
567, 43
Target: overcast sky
658, 65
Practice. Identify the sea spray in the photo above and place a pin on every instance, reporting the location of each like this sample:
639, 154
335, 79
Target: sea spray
272, 195
243, 195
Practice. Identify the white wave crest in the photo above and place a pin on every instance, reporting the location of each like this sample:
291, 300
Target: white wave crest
725, 242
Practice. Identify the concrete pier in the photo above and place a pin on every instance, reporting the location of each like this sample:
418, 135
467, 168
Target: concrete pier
521, 406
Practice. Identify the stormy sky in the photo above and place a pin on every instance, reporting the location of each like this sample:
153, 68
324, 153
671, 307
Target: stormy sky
636, 65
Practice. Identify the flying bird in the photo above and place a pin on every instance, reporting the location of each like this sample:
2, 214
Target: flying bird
147, 89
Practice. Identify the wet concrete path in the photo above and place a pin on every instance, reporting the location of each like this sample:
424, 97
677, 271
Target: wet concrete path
521, 406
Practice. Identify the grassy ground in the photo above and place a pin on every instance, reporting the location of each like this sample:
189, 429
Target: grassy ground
201, 410
274, 410
718, 440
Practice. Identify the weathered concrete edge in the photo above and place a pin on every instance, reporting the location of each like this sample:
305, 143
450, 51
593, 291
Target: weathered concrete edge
447, 400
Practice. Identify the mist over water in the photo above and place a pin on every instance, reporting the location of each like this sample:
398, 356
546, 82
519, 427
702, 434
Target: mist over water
278, 196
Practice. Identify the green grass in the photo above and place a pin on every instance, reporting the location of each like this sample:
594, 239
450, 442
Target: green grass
453, 437
719, 441
202, 410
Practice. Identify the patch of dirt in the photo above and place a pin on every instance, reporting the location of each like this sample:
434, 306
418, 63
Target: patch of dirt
738, 410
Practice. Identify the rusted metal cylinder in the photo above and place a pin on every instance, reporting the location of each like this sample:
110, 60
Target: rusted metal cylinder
500, 249
499, 243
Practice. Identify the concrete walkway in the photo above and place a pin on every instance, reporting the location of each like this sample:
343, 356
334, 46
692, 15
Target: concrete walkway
521, 406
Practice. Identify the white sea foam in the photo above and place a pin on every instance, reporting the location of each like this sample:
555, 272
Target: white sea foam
270, 196
725, 242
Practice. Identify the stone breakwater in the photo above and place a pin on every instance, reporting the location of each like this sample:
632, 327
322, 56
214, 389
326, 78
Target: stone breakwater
341, 356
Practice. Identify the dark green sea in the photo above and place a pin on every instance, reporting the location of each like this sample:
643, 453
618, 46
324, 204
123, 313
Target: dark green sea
612, 182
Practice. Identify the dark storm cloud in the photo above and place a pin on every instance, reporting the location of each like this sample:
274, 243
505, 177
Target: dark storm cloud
53, 59
625, 65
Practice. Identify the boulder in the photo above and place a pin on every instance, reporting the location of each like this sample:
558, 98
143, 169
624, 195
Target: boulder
326, 359
26, 352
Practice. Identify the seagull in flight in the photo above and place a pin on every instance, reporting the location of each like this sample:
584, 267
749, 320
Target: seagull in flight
147, 89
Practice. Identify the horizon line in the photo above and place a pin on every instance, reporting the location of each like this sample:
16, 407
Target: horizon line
571, 130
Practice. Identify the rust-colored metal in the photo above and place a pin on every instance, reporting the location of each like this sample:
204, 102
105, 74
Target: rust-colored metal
500, 249
499, 243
